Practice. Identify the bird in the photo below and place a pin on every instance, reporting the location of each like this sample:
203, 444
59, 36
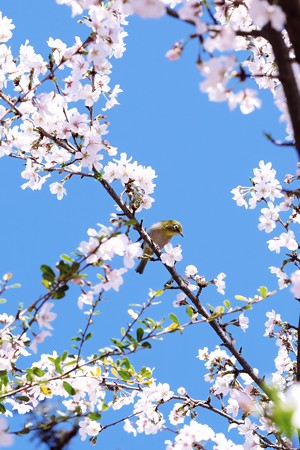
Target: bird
161, 233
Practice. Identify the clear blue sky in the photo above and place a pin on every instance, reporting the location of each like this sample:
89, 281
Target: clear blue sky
200, 151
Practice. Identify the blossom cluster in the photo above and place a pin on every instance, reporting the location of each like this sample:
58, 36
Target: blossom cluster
38, 126
103, 245
12, 346
137, 179
266, 189
242, 397
230, 31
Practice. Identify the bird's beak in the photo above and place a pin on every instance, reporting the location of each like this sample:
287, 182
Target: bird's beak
181, 234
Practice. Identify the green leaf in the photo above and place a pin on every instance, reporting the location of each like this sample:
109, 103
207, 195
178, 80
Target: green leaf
22, 398
47, 284
146, 345
145, 372
29, 376
174, 319
4, 378
217, 313
157, 293
124, 375
283, 418
263, 290
94, 416
67, 258
25, 430
60, 293
241, 298
2, 408
70, 390
190, 311
48, 273
126, 363
226, 303
38, 372
150, 321
139, 334
117, 343
63, 268
130, 222
75, 267
56, 362
88, 336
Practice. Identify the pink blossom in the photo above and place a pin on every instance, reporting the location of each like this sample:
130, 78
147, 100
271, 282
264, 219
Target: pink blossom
295, 279
149, 9
6, 439
86, 298
273, 319
113, 280
262, 12
38, 339
45, 316
175, 52
247, 100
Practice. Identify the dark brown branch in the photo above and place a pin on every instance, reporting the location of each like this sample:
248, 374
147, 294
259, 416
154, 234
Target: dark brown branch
175, 15
287, 79
292, 10
279, 143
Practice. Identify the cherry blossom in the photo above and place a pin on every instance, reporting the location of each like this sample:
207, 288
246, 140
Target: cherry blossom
38, 339
172, 255
295, 279
150, 9
220, 283
88, 428
262, 12
6, 439
45, 316
56, 132
58, 189
190, 271
243, 322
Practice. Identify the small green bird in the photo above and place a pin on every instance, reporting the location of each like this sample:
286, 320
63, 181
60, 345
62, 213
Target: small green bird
161, 233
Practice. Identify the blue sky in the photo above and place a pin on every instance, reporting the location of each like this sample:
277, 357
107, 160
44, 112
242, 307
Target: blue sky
200, 151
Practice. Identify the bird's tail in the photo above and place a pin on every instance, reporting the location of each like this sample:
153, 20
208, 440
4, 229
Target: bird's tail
141, 267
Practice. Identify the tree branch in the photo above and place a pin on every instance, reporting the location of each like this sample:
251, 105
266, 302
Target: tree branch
287, 79
292, 10
182, 285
